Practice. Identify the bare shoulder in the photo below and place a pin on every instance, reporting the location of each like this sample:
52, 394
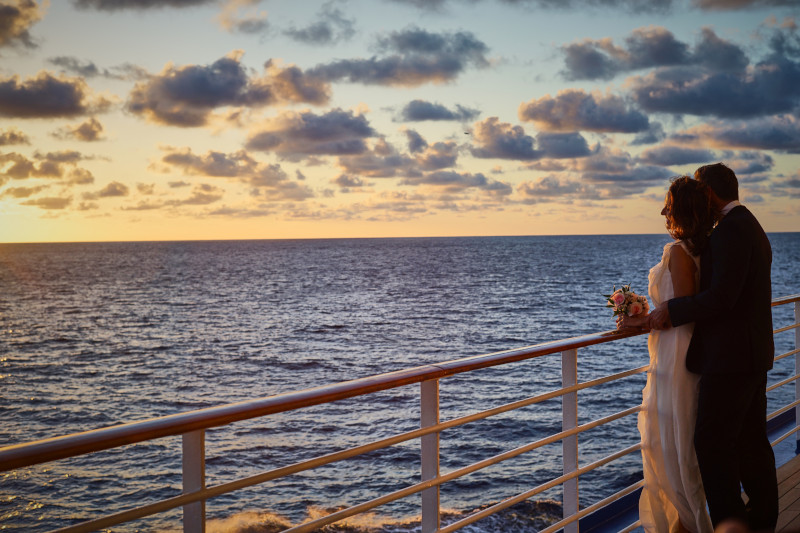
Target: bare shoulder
680, 260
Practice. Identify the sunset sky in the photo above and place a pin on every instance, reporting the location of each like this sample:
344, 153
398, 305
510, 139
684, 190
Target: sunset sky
246, 119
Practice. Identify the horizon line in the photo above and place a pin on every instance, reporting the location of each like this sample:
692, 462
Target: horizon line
355, 238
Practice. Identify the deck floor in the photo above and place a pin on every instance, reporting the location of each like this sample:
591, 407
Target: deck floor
789, 497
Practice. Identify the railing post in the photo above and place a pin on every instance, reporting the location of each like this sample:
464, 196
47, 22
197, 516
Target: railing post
429, 416
569, 445
797, 371
194, 479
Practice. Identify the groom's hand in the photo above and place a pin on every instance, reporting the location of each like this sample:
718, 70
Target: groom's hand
659, 318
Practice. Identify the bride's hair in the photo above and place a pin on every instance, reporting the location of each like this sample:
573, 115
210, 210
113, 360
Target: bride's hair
690, 213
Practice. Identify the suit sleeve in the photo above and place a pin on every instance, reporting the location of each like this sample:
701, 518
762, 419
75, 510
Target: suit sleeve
730, 257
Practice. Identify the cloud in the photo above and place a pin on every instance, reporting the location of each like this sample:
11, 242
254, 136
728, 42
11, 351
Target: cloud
606, 173
416, 143
453, 181
16, 18
13, 136
649, 47
186, 96
771, 86
769, 89
119, 5
242, 16
735, 5
270, 181
348, 183
635, 6
414, 57
91, 130
419, 110
748, 163
47, 96
788, 186
235, 15
573, 110
675, 155
655, 133
780, 133
438, 156
716, 53
88, 69
330, 27
550, 188
20, 168
203, 194
80, 176
501, 140
562, 145
294, 135
23, 192
114, 189
382, 161
146, 189
50, 203
50, 165
213, 164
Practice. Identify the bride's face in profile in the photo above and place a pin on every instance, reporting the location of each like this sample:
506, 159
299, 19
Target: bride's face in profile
665, 210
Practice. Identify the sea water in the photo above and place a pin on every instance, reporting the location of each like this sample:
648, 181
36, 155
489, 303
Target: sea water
98, 334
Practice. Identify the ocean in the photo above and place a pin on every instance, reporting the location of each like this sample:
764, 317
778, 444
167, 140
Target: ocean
98, 334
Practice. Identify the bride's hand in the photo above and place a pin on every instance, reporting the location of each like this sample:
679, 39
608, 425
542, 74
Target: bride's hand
638, 321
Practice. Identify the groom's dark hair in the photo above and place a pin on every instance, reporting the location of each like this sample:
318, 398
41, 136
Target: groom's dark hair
719, 179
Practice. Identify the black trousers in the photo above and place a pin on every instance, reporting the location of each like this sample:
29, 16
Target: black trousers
733, 450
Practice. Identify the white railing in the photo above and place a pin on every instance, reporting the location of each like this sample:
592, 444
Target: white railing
193, 425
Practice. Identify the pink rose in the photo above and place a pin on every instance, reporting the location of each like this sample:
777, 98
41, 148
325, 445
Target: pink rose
618, 298
635, 308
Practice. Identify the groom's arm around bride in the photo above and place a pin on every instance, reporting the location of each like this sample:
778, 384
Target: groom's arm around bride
732, 349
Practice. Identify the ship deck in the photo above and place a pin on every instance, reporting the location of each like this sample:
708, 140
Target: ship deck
789, 494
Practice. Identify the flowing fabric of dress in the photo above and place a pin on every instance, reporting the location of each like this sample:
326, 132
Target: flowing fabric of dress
673, 489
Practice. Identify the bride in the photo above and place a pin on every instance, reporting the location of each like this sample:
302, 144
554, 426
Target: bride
673, 499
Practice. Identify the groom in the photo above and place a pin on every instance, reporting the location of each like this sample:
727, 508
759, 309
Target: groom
731, 349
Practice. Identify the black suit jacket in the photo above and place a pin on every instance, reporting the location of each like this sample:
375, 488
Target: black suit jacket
733, 309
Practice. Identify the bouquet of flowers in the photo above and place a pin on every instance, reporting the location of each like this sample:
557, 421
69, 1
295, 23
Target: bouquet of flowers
626, 302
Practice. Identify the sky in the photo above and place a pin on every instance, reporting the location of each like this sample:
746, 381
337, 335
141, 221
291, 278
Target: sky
129, 120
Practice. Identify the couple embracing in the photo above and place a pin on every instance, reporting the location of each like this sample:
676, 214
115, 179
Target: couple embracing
703, 418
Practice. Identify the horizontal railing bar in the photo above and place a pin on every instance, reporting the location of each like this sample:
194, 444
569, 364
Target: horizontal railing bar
455, 474
222, 415
786, 328
782, 410
218, 490
787, 354
536, 490
782, 383
42, 451
783, 300
632, 527
592, 508
785, 435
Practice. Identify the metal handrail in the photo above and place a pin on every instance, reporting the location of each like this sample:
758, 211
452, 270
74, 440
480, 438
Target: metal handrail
45, 450
195, 422
783, 300
474, 467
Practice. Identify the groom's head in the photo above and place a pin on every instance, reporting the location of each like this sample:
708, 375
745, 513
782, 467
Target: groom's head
721, 180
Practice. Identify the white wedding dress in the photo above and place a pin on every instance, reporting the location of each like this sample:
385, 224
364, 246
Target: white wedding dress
673, 489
